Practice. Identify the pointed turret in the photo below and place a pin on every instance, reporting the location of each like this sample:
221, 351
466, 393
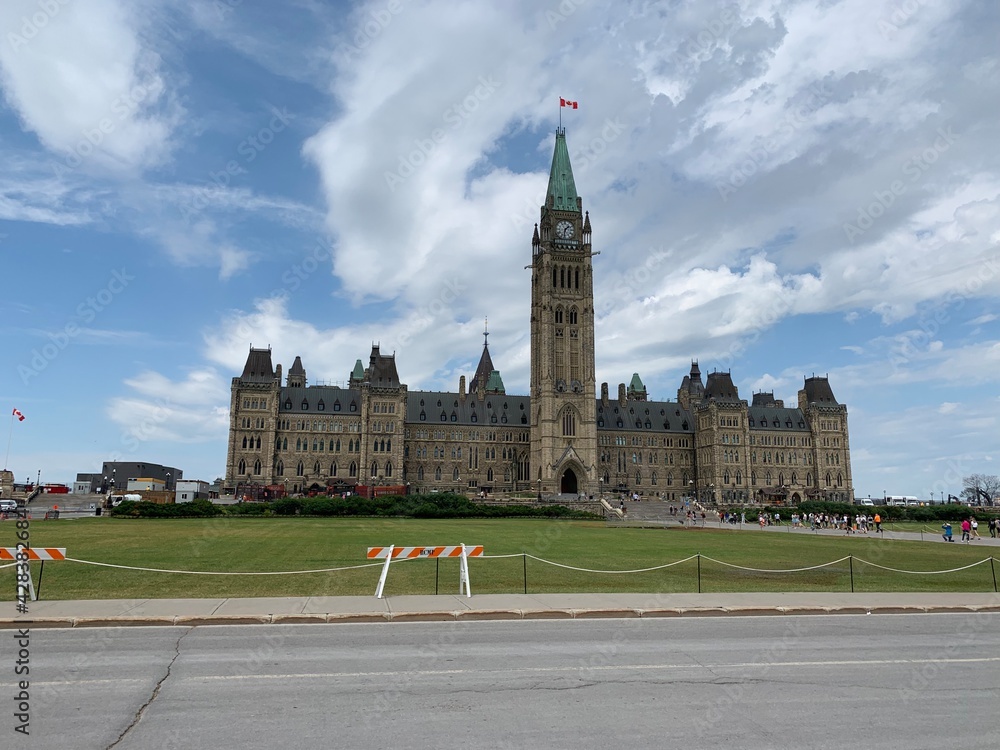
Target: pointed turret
494, 386
691, 390
297, 374
357, 374
562, 188
481, 379
636, 389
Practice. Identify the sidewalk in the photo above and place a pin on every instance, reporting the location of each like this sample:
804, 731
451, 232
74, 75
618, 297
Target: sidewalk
368, 609
786, 528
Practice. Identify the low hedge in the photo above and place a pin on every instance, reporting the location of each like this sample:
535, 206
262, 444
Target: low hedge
394, 506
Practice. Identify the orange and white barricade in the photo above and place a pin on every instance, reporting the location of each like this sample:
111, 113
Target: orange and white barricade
462, 551
29, 554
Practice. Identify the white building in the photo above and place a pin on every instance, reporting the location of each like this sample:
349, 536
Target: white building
190, 489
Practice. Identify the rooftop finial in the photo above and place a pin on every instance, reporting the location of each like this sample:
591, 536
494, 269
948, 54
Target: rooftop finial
486, 332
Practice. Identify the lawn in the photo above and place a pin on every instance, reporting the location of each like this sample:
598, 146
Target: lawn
277, 544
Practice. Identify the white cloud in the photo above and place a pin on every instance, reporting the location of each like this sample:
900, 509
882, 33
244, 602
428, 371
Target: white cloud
81, 79
191, 410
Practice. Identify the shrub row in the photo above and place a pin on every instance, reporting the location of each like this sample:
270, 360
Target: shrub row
410, 506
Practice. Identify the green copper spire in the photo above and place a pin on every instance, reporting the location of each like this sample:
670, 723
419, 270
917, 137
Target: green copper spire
495, 383
562, 188
358, 374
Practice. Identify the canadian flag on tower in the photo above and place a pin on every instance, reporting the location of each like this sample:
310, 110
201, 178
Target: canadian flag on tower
19, 415
568, 103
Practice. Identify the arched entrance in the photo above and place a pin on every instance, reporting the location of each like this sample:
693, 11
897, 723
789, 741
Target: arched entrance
567, 485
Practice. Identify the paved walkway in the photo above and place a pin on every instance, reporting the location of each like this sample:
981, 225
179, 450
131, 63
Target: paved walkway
786, 528
367, 609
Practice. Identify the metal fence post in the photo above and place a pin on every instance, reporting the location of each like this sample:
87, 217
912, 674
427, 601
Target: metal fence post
437, 572
524, 561
699, 572
992, 570
851, 560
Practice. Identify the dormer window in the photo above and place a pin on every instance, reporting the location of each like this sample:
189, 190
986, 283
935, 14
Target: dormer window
305, 405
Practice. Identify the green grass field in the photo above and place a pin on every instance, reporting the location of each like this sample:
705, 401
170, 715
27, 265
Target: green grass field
277, 544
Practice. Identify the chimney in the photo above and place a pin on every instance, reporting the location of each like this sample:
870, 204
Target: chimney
622, 398
461, 389
604, 394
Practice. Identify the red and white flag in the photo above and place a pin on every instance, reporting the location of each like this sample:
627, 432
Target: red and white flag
568, 103
19, 415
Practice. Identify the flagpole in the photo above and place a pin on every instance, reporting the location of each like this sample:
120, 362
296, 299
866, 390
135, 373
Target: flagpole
11, 435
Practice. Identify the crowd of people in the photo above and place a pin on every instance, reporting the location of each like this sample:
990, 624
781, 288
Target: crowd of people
861, 523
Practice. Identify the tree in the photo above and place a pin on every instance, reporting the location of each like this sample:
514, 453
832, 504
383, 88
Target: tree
981, 489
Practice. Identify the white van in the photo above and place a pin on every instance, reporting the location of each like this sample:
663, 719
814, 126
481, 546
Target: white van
867, 501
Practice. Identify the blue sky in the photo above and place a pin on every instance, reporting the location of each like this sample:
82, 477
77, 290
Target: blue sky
777, 187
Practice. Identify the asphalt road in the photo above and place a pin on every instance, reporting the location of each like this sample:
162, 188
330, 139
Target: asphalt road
890, 681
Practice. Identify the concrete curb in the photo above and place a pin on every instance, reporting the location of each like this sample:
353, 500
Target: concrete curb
483, 615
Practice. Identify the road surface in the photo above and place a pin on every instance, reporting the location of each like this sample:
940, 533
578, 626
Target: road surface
840, 681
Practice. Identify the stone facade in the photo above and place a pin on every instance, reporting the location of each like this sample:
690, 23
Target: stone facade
561, 438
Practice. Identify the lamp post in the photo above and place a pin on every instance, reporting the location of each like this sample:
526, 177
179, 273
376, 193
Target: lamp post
168, 481
372, 493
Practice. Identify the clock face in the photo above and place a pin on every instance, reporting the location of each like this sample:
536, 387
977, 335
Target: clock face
564, 230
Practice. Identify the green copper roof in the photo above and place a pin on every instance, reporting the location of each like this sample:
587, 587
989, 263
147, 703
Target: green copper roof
495, 383
636, 384
359, 371
562, 188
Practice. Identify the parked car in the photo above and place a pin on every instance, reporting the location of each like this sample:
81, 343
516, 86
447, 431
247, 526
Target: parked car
7, 505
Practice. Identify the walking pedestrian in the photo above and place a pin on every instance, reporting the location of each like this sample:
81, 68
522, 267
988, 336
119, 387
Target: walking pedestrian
966, 530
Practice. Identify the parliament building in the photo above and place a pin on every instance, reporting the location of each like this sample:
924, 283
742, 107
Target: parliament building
563, 437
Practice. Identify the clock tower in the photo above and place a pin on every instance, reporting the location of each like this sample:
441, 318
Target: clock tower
563, 400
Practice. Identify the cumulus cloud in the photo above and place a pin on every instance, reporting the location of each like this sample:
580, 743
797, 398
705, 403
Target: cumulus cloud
815, 110
82, 80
